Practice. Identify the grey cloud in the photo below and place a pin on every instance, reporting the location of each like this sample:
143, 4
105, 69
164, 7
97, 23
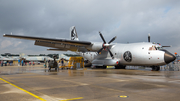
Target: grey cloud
130, 21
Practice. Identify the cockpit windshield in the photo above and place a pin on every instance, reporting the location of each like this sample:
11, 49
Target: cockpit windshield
153, 48
159, 48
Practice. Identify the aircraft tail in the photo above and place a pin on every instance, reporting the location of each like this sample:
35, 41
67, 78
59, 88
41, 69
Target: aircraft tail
22, 55
73, 33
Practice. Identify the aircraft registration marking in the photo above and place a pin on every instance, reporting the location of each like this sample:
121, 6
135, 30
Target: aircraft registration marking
24, 90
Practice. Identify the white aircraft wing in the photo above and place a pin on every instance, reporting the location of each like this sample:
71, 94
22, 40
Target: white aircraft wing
60, 44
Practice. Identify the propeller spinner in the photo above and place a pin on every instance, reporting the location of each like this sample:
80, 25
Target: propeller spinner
106, 46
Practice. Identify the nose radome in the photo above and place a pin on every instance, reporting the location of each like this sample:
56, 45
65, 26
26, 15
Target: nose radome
168, 57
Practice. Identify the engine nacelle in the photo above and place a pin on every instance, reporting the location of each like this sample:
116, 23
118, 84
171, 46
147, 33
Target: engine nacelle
95, 46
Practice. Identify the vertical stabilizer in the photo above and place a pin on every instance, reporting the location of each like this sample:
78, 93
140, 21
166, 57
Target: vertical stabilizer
22, 55
73, 33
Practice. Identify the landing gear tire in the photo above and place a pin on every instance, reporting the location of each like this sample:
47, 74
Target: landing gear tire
98, 67
104, 67
155, 68
101, 67
120, 67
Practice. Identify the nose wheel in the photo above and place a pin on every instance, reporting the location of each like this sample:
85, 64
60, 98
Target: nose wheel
155, 68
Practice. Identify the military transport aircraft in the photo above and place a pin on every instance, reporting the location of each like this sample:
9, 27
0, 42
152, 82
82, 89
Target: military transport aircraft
34, 58
103, 54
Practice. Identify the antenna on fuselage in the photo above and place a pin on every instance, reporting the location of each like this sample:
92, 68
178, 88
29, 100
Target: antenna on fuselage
149, 38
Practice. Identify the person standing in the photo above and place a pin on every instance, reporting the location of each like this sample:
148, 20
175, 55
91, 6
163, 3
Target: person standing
62, 62
2, 63
29, 63
22, 62
19, 62
45, 62
25, 63
5, 62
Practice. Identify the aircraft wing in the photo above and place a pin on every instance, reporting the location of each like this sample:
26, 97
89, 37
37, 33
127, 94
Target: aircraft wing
61, 44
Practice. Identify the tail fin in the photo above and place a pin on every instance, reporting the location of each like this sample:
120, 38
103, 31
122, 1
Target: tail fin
73, 33
22, 55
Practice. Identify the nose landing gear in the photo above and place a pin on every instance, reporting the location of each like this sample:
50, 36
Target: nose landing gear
155, 68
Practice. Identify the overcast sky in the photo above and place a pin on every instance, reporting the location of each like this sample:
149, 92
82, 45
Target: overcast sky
129, 20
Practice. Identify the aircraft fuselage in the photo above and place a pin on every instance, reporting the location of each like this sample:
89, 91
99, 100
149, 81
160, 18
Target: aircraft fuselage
137, 54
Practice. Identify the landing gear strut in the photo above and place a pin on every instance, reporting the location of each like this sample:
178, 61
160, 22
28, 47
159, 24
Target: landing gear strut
155, 68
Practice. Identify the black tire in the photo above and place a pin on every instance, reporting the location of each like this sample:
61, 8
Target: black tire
98, 67
155, 68
158, 68
104, 67
120, 67
101, 67
49, 68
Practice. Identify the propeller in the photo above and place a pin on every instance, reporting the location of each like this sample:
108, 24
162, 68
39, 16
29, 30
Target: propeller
149, 40
166, 46
106, 46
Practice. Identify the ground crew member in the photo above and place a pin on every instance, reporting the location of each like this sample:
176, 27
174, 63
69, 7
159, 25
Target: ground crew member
19, 62
2, 63
62, 62
22, 62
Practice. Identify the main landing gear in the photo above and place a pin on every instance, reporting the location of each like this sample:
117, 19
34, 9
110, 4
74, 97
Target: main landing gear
155, 68
101, 67
120, 67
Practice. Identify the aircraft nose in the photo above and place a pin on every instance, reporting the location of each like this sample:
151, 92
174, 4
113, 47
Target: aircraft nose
168, 57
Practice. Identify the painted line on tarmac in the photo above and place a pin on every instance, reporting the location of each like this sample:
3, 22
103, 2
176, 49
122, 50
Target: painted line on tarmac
24, 90
123, 96
73, 99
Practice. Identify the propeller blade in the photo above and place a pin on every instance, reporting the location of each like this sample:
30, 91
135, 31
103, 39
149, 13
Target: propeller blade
100, 50
166, 46
149, 38
102, 37
112, 40
110, 53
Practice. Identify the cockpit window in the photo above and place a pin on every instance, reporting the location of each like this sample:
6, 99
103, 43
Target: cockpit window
158, 48
153, 48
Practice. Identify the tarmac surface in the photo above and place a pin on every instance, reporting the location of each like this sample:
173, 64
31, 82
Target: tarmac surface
36, 83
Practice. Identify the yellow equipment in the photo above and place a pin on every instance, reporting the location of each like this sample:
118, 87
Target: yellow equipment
73, 63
